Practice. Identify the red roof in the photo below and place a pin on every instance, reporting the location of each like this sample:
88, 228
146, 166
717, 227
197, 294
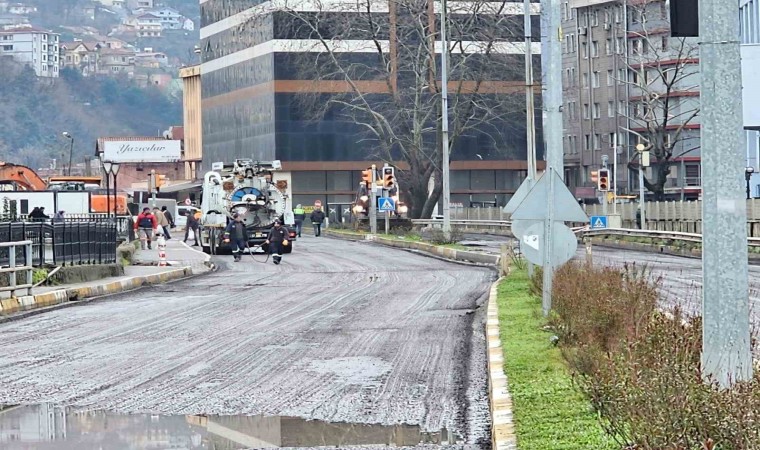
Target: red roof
178, 133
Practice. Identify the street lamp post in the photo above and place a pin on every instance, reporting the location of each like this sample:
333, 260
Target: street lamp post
68, 136
748, 175
115, 170
106, 166
642, 205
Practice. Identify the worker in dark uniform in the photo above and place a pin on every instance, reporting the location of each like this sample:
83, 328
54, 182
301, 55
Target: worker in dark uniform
277, 239
238, 235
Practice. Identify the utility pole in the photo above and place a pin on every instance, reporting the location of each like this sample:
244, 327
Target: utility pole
373, 202
530, 109
726, 354
552, 67
445, 124
604, 194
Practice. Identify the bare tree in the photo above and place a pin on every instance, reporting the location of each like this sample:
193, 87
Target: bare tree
373, 64
664, 76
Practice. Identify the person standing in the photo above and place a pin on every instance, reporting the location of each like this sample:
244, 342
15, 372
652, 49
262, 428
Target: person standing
317, 218
277, 240
299, 215
146, 223
238, 235
192, 224
168, 215
162, 222
59, 216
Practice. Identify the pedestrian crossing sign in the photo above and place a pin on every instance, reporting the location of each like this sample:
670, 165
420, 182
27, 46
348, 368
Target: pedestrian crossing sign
598, 222
386, 204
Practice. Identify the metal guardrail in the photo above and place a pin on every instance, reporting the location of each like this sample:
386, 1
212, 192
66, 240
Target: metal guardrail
586, 231
13, 267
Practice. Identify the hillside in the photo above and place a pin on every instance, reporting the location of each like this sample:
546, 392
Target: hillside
35, 111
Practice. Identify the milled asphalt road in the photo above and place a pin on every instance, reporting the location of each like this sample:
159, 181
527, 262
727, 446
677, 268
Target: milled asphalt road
679, 278
341, 332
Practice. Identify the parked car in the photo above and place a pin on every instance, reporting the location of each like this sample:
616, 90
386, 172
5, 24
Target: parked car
182, 211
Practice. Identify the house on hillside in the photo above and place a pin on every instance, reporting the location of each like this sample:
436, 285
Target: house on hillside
32, 46
113, 3
150, 59
188, 24
116, 61
21, 9
81, 56
135, 4
145, 24
170, 18
13, 19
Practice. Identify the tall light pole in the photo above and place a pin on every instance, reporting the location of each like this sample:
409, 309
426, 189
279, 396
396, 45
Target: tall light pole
115, 171
68, 136
445, 123
106, 168
748, 176
726, 348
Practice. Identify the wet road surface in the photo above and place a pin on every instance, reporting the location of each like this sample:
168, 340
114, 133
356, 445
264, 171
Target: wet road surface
340, 332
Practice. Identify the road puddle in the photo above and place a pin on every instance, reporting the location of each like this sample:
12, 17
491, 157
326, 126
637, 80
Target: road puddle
48, 427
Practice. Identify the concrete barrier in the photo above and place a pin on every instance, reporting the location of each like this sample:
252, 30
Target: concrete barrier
437, 250
31, 302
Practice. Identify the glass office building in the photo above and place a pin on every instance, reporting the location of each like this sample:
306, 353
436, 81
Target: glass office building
261, 99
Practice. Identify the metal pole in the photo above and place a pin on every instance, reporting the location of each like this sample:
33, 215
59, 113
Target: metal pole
530, 109
71, 153
445, 123
683, 179
115, 202
550, 10
642, 203
387, 222
152, 185
726, 354
614, 172
373, 203
108, 194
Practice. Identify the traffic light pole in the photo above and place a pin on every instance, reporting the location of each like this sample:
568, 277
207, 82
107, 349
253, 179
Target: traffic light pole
373, 202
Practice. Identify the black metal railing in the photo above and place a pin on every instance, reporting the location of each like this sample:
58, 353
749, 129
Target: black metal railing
124, 224
66, 242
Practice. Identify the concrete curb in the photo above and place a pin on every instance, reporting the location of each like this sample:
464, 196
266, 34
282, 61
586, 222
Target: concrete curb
503, 435
48, 299
443, 252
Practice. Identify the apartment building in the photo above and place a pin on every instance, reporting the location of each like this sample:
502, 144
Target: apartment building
32, 46
625, 77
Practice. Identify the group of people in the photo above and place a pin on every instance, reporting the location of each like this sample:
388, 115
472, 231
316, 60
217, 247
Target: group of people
159, 221
156, 222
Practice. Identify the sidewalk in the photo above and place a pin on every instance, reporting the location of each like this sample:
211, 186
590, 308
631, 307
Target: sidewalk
184, 262
178, 254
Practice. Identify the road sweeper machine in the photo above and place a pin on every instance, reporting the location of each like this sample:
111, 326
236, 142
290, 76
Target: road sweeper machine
245, 188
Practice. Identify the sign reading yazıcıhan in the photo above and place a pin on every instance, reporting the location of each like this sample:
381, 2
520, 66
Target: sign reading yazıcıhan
142, 151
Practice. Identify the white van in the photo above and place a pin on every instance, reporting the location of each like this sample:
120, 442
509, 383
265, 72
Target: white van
180, 221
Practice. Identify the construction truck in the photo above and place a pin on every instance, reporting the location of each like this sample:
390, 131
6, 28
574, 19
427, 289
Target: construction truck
246, 188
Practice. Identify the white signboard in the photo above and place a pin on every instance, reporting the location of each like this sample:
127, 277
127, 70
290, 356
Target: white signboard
142, 151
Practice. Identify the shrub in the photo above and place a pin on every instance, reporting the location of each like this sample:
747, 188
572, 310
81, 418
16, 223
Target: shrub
640, 366
437, 236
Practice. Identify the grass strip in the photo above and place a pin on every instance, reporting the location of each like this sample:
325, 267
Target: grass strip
550, 414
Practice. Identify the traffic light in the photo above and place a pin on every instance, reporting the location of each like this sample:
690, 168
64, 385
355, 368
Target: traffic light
389, 178
594, 176
604, 180
367, 176
160, 180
